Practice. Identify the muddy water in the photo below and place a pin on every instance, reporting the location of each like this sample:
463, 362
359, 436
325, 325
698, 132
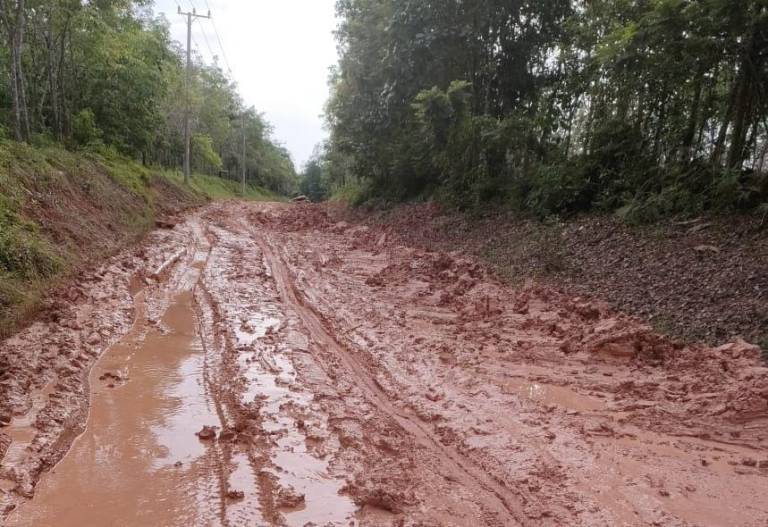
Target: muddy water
272, 380
140, 462
273, 383
546, 395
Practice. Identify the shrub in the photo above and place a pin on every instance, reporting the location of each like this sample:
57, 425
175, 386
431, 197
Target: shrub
84, 129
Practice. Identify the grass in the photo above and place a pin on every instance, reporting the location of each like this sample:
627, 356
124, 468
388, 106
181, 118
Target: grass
353, 193
125, 171
218, 188
61, 209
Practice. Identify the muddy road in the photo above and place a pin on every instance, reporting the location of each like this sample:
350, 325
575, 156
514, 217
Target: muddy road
263, 364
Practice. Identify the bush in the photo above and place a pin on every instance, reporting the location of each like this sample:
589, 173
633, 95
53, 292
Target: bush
737, 190
355, 193
84, 129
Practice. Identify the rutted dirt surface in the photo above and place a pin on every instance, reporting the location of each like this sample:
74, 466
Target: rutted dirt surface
261, 364
701, 280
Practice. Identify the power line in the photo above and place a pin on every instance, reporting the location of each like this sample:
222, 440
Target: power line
187, 132
218, 38
221, 46
243, 167
197, 46
205, 36
197, 19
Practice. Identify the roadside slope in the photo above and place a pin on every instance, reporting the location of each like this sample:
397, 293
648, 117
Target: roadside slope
61, 210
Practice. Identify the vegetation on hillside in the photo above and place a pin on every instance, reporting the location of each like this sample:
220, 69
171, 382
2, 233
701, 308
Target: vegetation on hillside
106, 72
559, 106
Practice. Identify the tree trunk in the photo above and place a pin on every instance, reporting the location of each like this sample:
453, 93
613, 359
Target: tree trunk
660, 124
746, 92
14, 25
53, 78
717, 154
21, 79
686, 150
14, 74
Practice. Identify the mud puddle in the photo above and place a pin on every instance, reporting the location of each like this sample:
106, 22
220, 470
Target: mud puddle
309, 495
139, 461
547, 395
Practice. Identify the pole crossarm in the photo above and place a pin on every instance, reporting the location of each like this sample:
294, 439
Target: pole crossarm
193, 13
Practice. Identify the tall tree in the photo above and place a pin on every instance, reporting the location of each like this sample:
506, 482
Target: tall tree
573, 104
13, 16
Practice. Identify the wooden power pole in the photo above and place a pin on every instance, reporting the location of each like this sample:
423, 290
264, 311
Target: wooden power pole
188, 103
242, 161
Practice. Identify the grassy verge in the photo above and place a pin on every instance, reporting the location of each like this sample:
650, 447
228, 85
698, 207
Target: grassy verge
60, 210
218, 188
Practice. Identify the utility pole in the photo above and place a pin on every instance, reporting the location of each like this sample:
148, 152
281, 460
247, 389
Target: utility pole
242, 162
187, 83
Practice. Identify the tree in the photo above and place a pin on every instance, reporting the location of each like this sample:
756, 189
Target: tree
106, 72
13, 17
313, 183
613, 102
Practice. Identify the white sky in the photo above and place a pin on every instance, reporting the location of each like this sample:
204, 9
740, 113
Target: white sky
280, 52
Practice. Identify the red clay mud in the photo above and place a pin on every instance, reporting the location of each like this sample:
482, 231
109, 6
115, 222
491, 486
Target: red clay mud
261, 364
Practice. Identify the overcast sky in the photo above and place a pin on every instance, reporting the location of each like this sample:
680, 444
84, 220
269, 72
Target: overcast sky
279, 51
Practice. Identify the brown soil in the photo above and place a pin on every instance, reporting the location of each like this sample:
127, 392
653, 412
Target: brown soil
264, 364
701, 280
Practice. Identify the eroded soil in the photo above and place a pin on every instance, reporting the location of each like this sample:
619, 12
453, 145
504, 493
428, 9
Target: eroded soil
262, 364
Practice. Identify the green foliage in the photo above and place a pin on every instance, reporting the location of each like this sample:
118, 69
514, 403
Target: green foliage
124, 170
354, 193
647, 108
84, 129
313, 181
213, 187
107, 73
24, 253
554, 190
204, 152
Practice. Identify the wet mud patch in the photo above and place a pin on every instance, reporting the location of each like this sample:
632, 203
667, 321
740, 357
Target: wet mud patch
286, 369
297, 485
139, 461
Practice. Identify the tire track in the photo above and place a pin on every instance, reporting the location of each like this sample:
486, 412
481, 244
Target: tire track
499, 499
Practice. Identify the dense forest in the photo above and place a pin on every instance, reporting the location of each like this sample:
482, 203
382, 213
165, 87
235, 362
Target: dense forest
106, 74
647, 107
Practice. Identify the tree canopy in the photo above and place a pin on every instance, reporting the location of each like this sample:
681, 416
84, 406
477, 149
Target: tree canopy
557, 106
106, 72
